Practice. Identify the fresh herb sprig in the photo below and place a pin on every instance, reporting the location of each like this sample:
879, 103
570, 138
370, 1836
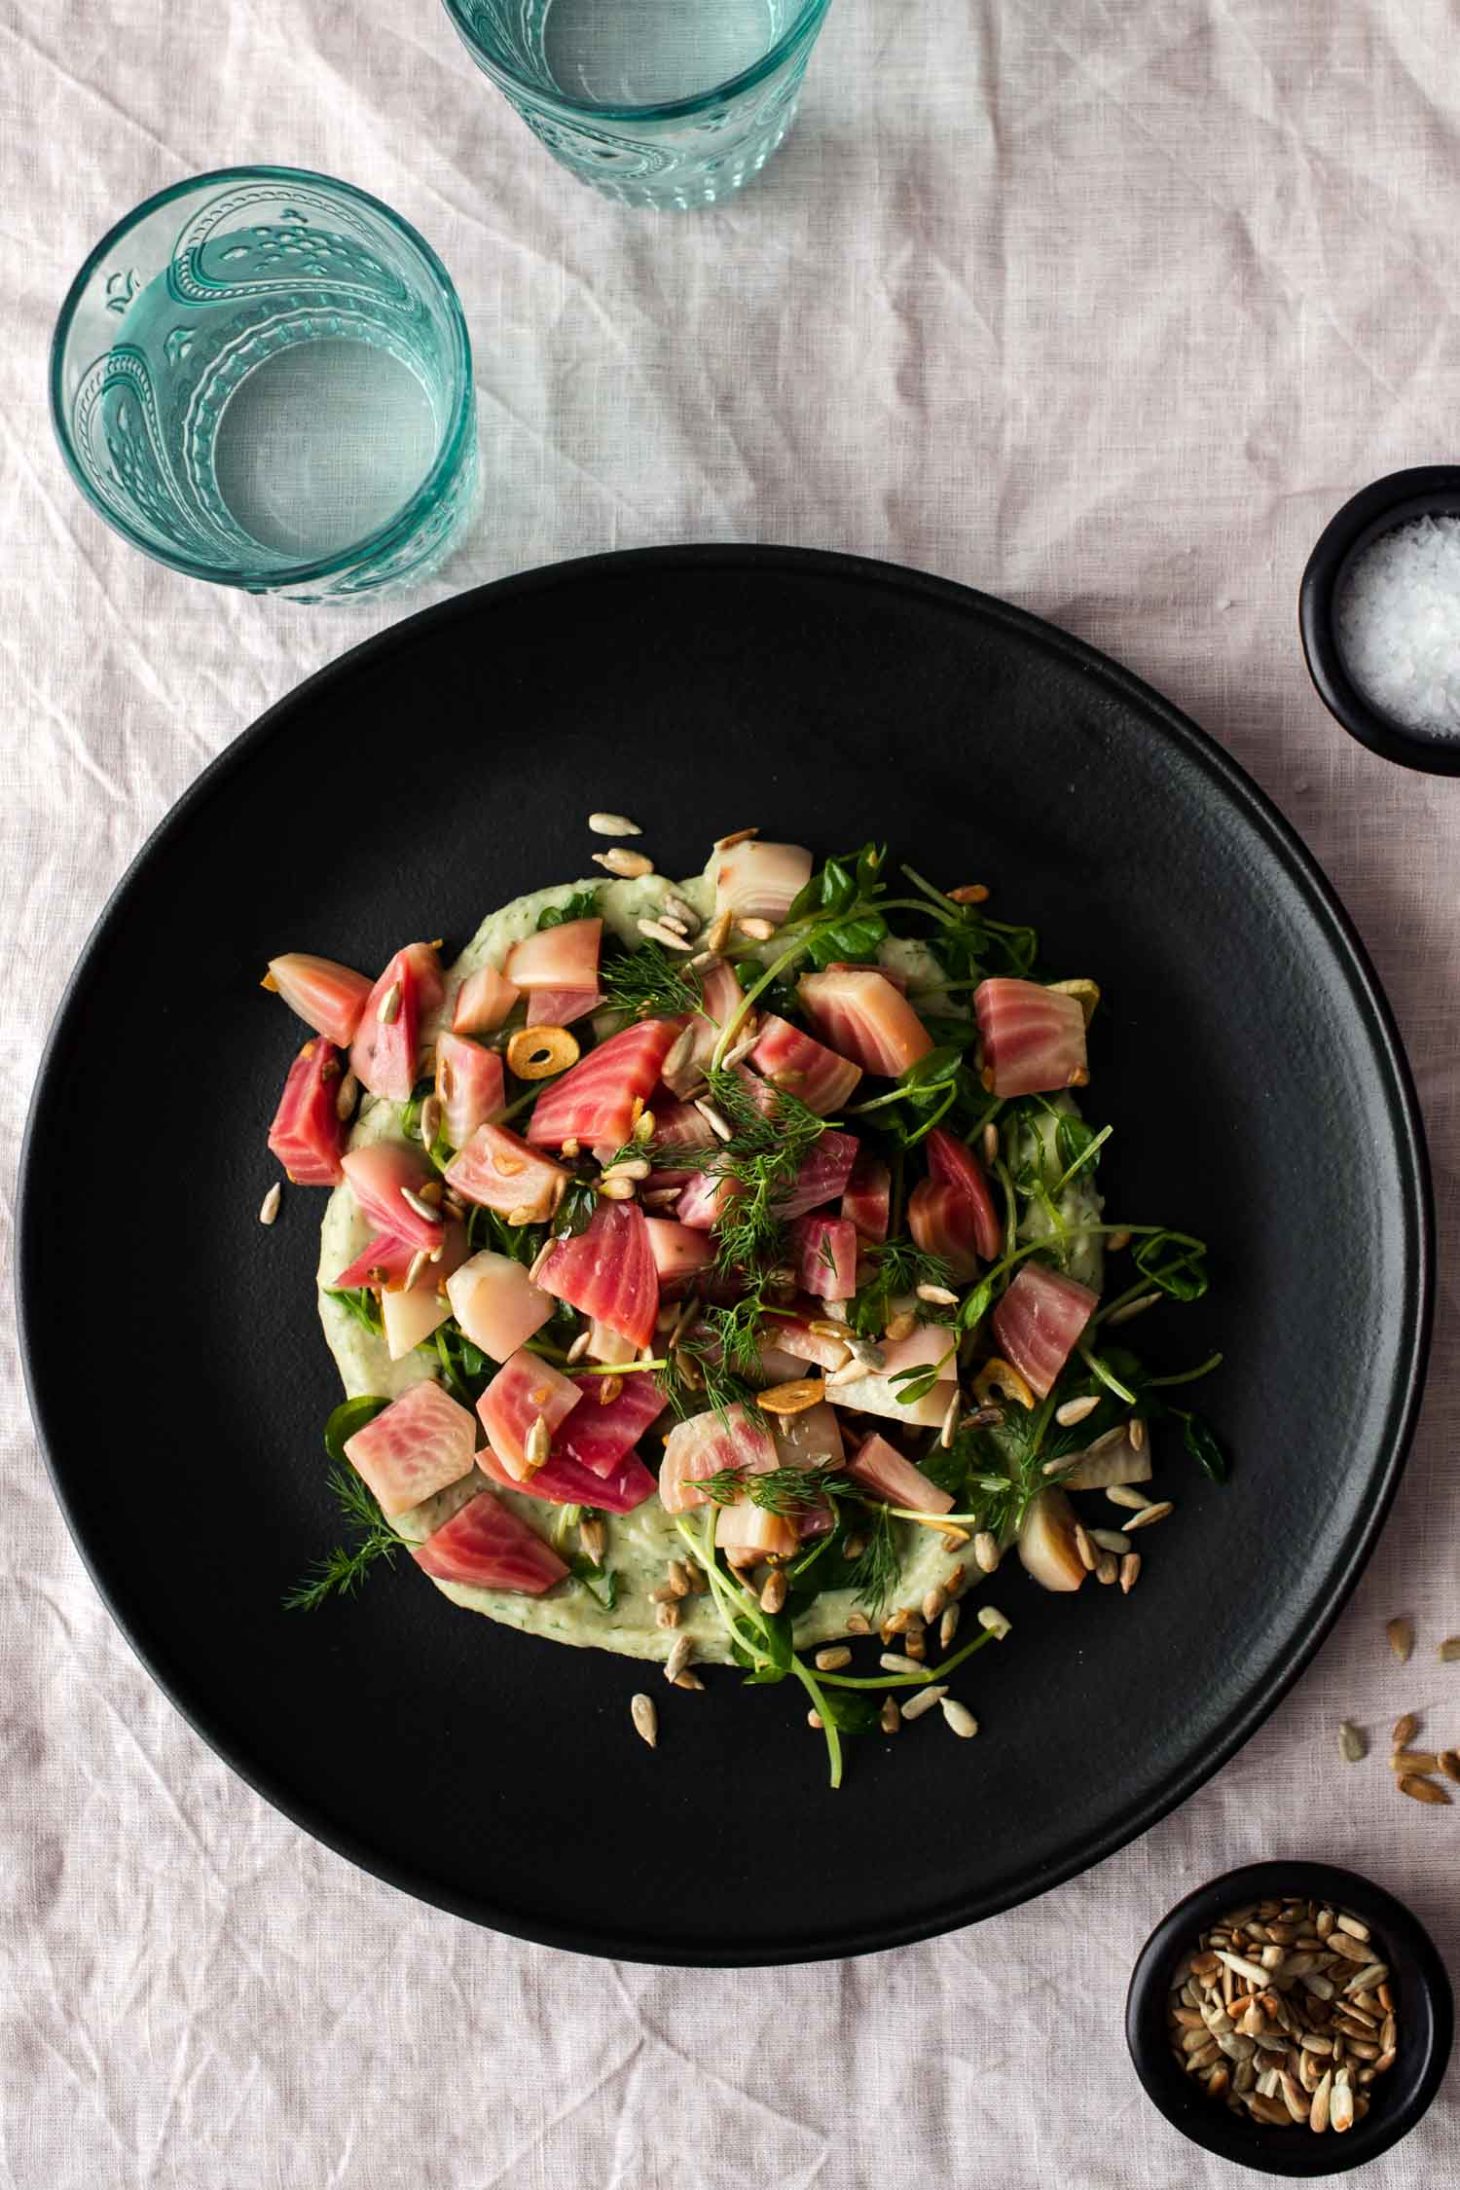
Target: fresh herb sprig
790, 1492
342, 1571
897, 1268
649, 982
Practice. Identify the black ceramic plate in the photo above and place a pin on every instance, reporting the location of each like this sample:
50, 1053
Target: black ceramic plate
1245, 1055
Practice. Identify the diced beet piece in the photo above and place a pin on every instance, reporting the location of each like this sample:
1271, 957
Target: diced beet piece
867, 1200
485, 1546
597, 1434
599, 1098
563, 1482
822, 1177
700, 1447
471, 1085
308, 1133
943, 1221
1038, 1322
758, 881
380, 1176
864, 1017
562, 957
496, 1303
801, 1066
383, 1260
607, 1271
383, 1057
825, 1249
484, 1002
1033, 1037
681, 1252
524, 1390
882, 1468
325, 995
954, 1162
421, 1443
498, 1170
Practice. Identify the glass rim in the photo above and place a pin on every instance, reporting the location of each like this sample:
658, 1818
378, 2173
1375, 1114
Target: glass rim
319, 568
660, 110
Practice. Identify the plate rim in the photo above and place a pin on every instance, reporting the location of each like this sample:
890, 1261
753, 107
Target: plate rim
1401, 1101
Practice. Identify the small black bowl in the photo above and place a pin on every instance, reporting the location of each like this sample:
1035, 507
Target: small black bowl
1423, 2002
1430, 490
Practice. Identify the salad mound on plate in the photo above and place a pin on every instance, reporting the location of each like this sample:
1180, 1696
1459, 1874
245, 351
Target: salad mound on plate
717, 1272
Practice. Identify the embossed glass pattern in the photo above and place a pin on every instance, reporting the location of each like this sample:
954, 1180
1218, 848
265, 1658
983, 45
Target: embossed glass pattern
669, 103
263, 377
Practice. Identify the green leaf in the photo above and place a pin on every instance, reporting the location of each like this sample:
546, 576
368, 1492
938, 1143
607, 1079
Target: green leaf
976, 1305
848, 1711
854, 939
601, 1582
1202, 1445
362, 1305
582, 905
350, 1415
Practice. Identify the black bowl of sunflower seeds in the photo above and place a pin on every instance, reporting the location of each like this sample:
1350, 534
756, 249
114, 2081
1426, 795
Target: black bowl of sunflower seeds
1291, 2016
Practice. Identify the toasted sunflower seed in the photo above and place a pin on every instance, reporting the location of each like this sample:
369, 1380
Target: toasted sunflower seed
1085, 1548
629, 865
681, 1650
1413, 1760
986, 1552
756, 929
1450, 1649
948, 1625
832, 1660
889, 1718
1130, 1572
1076, 1410
1450, 1763
346, 1096
950, 1421
1322, 2097
617, 1187
1422, 1790
1405, 1730
939, 1295
1136, 1432
1110, 1539
960, 1718
593, 1539
418, 1207
657, 932
646, 1719
1352, 1744
269, 1206
667, 1615
387, 1011
736, 836
927, 1699
893, 1661
720, 1126
1149, 1515
1401, 1638
613, 825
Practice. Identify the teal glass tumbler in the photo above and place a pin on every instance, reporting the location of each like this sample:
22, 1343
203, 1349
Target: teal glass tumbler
667, 103
263, 377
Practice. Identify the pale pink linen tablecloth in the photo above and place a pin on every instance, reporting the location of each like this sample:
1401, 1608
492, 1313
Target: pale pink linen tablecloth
1103, 307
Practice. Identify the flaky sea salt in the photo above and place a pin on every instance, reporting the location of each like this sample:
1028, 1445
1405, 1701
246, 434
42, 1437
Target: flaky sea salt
1399, 625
